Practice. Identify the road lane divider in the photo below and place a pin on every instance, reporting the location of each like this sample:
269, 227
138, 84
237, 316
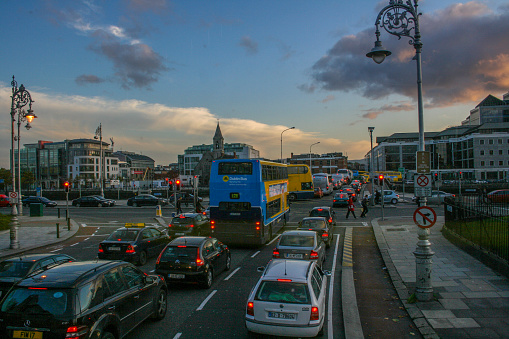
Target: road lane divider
276, 238
231, 274
255, 254
202, 305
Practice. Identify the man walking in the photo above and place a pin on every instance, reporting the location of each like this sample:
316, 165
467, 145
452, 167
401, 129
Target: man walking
351, 208
364, 203
179, 205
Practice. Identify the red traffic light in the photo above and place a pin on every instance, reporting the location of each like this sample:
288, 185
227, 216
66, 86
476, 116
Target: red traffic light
177, 182
381, 177
66, 184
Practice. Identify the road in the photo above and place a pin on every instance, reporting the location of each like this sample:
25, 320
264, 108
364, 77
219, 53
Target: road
219, 311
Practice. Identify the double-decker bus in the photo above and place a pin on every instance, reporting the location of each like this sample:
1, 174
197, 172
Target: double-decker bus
300, 182
391, 175
248, 200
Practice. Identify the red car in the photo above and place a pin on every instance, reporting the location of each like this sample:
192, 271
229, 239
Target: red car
4, 201
499, 196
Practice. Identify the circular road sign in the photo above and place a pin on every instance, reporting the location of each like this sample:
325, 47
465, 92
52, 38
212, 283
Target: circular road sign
422, 181
425, 217
13, 195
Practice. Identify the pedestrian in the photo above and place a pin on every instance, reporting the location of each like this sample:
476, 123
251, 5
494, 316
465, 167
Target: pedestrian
179, 205
377, 197
418, 201
351, 208
485, 195
364, 204
199, 207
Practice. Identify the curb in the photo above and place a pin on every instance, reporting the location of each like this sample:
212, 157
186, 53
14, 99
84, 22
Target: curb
413, 311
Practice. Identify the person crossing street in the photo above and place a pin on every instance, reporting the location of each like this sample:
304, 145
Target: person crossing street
364, 204
351, 208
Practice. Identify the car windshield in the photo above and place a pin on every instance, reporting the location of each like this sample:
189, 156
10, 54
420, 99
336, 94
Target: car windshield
123, 235
297, 240
319, 213
177, 252
283, 292
14, 268
182, 220
37, 301
315, 224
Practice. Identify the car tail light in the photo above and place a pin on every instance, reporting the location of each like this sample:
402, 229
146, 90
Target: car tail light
330, 221
320, 209
212, 224
334, 200
250, 308
191, 225
325, 235
285, 280
313, 255
199, 261
315, 315
130, 249
159, 257
275, 253
170, 225
76, 332
101, 250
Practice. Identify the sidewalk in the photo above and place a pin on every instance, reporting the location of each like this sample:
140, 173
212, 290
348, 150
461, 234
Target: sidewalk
471, 300
35, 232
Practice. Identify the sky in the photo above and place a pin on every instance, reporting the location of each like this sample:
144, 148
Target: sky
158, 75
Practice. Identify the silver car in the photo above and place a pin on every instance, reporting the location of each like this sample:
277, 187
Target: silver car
302, 245
437, 197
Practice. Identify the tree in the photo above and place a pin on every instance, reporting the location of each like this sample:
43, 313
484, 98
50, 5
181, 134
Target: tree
27, 179
5, 174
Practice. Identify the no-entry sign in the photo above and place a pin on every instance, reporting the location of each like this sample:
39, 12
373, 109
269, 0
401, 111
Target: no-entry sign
425, 217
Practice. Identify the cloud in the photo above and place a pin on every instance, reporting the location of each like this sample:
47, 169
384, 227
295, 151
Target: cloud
249, 45
88, 79
464, 58
328, 98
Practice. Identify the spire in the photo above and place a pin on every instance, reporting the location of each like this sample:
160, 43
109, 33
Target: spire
218, 143
218, 134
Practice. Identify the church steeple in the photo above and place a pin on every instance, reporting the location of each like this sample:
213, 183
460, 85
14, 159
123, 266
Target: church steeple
218, 142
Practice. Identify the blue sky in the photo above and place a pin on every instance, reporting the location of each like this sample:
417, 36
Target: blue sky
158, 74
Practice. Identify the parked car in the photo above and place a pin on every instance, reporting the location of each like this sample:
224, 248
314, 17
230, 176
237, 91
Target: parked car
4, 201
303, 245
134, 243
15, 269
318, 192
189, 224
146, 200
326, 212
319, 225
92, 201
27, 201
194, 260
499, 196
437, 197
81, 300
110, 201
340, 199
288, 300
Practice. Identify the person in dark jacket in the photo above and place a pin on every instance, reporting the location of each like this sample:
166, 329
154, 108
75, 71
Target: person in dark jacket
179, 205
364, 204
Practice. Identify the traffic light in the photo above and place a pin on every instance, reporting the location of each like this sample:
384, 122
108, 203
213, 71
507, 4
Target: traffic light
436, 176
177, 183
381, 177
66, 186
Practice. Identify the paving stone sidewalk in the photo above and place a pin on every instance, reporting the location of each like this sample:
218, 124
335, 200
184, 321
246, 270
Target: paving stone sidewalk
471, 300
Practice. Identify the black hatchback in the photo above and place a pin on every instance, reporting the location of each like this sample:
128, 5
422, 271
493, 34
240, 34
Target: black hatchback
193, 259
319, 225
189, 224
88, 299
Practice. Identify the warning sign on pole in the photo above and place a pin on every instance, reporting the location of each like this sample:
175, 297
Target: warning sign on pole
422, 185
425, 217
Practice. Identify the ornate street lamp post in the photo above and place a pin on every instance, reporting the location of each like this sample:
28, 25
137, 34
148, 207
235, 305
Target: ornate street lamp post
99, 135
401, 18
310, 155
20, 98
281, 160
371, 174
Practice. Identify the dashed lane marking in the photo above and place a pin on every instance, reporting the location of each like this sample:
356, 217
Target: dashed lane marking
331, 291
255, 254
202, 305
231, 274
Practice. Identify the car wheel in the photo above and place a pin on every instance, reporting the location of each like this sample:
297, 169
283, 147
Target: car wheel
292, 197
78, 204
142, 260
394, 201
99, 205
108, 335
209, 276
228, 263
135, 204
161, 306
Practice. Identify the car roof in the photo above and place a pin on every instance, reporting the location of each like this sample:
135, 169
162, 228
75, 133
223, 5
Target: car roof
66, 275
33, 257
299, 232
188, 241
314, 218
287, 269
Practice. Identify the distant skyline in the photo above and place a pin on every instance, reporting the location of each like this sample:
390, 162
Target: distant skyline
158, 75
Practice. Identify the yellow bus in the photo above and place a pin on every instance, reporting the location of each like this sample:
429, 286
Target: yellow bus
394, 176
300, 182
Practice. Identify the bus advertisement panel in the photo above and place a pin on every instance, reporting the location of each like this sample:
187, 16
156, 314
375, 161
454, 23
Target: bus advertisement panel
248, 200
300, 182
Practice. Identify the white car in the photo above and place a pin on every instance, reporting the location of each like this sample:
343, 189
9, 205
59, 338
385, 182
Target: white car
288, 300
389, 197
437, 197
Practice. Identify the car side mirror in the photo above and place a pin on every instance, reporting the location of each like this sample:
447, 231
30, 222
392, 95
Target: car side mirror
327, 273
260, 269
149, 280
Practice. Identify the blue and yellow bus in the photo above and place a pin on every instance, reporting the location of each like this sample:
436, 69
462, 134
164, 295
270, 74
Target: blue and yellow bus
248, 200
300, 182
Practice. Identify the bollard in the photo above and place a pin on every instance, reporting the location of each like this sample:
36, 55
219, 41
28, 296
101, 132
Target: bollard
58, 230
66, 214
59, 213
159, 212
68, 224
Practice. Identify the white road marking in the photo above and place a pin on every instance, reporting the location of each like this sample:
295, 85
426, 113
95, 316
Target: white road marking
177, 335
273, 240
74, 244
206, 300
254, 255
58, 249
231, 274
331, 291
86, 239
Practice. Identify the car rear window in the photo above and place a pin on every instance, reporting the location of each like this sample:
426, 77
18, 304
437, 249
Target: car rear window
314, 224
182, 253
182, 221
14, 268
283, 292
123, 235
319, 213
28, 301
297, 240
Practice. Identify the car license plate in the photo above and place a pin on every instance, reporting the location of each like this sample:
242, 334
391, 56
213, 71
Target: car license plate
180, 234
280, 315
294, 256
114, 248
177, 276
27, 334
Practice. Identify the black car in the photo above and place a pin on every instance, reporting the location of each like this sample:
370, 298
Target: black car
93, 201
88, 299
350, 191
15, 269
189, 224
326, 212
134, 243
38, 200
146, 200
187, 198
193, 259
319, 225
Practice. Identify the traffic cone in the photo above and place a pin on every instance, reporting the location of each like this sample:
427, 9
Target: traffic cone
159, 212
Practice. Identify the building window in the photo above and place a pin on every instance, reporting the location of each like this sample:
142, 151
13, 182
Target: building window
482, 163
501, 163
481, 142
500, 152
500, 141
482, 152
491, 152
492, 163
490, 141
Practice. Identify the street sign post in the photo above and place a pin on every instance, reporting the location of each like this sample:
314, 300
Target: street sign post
422, 185
425, 217
423, 162
13, 197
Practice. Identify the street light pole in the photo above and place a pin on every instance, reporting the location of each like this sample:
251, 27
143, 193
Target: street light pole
371, 175
20, 98
402, 19
310, 155
281, 159
99, 134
